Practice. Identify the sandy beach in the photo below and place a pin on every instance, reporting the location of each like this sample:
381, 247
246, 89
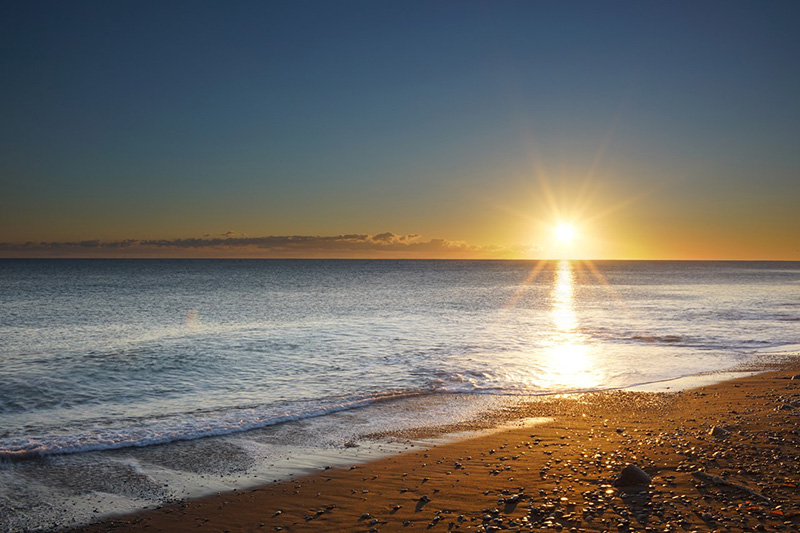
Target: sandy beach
718, 458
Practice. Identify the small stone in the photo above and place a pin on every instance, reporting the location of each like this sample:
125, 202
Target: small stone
632, 476
718, 432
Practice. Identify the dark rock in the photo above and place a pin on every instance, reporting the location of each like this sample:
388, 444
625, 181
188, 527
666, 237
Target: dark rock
632, 476
718, 432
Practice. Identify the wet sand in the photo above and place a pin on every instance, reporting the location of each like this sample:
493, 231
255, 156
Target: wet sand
723, 457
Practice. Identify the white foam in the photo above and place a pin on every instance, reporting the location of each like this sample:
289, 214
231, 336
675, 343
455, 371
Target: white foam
140, 433
786, 349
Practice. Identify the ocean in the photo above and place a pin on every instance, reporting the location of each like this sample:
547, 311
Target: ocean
127, 383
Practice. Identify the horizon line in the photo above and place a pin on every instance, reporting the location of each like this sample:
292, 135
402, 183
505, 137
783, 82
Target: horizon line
300, 258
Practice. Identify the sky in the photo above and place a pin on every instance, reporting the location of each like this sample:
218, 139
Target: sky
437, 129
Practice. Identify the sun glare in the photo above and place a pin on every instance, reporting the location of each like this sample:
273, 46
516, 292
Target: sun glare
565, 233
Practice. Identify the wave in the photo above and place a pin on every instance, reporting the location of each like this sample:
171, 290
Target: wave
186, 426
780, 349
658, 338
95, 434
110, 434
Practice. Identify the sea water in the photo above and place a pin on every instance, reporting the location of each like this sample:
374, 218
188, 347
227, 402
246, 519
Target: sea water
124, 383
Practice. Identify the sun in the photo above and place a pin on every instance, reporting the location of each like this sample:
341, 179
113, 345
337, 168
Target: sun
565, 233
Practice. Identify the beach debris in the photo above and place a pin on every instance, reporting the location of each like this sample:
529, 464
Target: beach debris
424, 498
718, 432
716, 480
632, 476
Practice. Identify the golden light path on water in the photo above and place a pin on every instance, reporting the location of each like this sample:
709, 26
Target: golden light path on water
569, 361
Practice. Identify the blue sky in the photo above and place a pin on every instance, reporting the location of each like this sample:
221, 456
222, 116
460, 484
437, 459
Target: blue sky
132, 120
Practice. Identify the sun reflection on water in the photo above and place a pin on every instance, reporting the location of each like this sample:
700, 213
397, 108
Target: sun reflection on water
561, 298
569, 361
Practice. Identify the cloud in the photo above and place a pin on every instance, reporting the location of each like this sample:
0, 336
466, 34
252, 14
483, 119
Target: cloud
389, 237
233, 244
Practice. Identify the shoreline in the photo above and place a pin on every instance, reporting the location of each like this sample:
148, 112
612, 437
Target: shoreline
556, 474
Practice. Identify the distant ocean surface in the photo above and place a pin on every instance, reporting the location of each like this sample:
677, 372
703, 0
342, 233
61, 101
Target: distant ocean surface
111, 354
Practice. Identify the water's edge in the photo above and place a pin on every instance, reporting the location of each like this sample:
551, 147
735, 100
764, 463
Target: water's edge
159, 474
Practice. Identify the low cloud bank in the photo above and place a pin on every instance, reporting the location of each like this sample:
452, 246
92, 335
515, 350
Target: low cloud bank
232, 244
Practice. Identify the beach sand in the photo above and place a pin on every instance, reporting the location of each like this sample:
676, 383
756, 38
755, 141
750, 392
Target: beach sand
558, 475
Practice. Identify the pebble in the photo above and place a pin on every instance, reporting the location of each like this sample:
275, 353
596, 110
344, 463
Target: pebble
718, 432
632, 476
